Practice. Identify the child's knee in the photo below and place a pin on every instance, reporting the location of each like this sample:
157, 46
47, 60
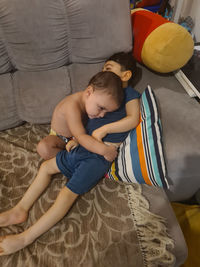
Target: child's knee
39, 147
42, 149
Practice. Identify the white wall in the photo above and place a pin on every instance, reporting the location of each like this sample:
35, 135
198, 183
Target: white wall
195, 14
190, 8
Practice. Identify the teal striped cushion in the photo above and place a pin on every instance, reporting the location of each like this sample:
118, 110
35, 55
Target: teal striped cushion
141, 158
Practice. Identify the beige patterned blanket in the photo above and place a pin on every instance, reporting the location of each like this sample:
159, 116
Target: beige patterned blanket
109, 226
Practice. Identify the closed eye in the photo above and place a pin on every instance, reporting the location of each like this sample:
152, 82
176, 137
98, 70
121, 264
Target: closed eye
101, 108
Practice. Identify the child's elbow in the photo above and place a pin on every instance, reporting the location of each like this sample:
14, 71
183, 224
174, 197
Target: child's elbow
135, 121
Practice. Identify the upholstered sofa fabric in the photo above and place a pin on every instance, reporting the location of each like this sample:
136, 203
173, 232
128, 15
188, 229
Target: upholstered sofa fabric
37, 39
40, 36
9, 115
5, 64
37, 93
180, 117
80, 74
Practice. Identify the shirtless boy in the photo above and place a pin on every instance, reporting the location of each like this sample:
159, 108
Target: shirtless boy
71, 114
104, 94
63, 126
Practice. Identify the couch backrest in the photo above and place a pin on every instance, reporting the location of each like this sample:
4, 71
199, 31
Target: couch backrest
51, 48
47, 34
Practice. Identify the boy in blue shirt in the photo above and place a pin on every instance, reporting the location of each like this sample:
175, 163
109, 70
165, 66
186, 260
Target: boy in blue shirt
113, 128
116, 125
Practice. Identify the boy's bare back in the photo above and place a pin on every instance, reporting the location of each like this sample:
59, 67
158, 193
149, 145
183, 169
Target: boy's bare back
68, 114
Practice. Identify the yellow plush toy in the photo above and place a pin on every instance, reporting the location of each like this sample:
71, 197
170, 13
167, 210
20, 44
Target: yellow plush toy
161, 45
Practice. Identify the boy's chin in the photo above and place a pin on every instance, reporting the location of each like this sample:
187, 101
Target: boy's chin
92, 117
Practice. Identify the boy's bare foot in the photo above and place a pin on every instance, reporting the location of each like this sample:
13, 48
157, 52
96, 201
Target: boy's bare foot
11, 243
13, 216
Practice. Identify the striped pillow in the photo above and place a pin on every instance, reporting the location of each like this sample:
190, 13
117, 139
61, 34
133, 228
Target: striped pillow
141, 158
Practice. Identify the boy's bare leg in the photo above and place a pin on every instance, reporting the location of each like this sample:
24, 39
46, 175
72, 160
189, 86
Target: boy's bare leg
12, 243
49, 146
19, 213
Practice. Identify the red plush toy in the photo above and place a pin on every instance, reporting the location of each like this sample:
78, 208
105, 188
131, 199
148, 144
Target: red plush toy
161, 45
144, 3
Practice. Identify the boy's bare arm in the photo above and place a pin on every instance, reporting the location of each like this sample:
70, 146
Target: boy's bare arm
76, 127
109, 152
71, 144
126, 124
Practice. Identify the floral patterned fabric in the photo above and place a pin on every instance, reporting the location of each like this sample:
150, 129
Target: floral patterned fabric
100, 229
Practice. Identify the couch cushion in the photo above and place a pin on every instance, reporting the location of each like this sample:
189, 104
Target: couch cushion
53, 33
141, 158
5, 65
37, 93
80, 74
98, 29
180, 116
8, 116
36, 33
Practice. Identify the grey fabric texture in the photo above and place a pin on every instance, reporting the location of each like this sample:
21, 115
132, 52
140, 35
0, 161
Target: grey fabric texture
98, 29
5, 64
36, 32
46, 35
8, 116
158, 80
80, 74
53, 33
158, 200
37, 93
180, 117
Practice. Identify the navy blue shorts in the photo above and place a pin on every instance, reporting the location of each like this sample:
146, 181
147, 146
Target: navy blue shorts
83, 168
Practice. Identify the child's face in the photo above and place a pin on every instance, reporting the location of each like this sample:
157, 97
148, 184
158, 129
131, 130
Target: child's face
113, 67
98, 103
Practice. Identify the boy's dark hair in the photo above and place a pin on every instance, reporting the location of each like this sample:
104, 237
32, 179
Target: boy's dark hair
110, 82
127, 62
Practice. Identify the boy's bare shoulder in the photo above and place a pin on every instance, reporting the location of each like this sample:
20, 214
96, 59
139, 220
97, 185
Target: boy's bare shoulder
72, 97
70, 102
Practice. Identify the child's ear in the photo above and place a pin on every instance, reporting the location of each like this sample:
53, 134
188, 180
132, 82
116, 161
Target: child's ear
89, 90
127, 74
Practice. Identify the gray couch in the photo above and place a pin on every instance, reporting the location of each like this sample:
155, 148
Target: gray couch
49, 49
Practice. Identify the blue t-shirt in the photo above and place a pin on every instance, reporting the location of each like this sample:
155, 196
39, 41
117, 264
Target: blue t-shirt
93, 124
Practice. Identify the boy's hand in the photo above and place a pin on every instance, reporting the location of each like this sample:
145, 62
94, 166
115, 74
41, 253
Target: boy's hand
111, 153
99, 133
71, 145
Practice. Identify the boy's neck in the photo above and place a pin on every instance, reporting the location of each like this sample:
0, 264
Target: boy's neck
82, 99
124, 84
